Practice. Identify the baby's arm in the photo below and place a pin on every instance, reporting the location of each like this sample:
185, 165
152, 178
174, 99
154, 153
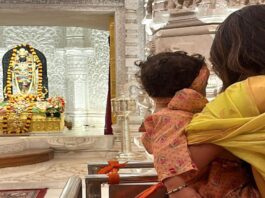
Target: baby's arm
173, 157
201, 155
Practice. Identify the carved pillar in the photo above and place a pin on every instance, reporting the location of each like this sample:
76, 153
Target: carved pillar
135, 41
134, 50
76, 82
134, 35
75, 37
77, 63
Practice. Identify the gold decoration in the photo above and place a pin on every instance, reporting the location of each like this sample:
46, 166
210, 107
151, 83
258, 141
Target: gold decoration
7, 117
39, 123
19, 116
112, 62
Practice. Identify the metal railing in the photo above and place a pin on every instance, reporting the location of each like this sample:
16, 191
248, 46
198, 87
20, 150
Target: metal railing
93, 180
94, 167
73, 188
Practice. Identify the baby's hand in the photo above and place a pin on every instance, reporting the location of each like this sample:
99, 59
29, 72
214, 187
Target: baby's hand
185, 192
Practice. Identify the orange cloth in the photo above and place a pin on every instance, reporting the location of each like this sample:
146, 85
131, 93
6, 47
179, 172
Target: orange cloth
150, 191
112, 171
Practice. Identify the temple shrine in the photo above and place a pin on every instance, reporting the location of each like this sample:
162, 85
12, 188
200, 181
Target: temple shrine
26, 107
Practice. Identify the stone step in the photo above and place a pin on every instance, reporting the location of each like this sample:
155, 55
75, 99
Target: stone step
11, 145
26, 157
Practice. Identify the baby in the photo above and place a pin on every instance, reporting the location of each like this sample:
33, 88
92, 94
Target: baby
177, 82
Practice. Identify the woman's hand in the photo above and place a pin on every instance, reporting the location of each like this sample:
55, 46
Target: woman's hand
185, 192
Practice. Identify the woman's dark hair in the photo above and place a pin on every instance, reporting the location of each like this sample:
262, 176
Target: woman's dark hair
238, 49
163, 74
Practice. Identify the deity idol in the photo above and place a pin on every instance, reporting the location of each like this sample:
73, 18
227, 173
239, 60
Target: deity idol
24, 72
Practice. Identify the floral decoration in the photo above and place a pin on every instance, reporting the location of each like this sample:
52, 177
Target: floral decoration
18, 104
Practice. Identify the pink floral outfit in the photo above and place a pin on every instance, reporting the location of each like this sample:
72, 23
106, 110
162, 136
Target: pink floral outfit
165, 137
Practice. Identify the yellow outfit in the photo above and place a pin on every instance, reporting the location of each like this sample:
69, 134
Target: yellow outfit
235, 120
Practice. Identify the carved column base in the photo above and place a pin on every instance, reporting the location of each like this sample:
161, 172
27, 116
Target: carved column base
93, 143
130, 156
78, 119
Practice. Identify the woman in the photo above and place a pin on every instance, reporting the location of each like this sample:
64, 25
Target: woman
235, 120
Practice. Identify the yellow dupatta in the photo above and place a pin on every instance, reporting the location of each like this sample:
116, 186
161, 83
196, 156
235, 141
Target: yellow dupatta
234, 122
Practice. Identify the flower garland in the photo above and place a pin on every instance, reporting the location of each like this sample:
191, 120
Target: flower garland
28, 120
11, 106
11, 67
56, 104
29, 98
30, 104
5, 119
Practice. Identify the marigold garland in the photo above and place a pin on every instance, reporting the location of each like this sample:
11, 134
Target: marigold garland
14, 99
28, 120
30, 104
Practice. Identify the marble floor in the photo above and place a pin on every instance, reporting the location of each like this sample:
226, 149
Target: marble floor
52, 174
72, 153
55, 173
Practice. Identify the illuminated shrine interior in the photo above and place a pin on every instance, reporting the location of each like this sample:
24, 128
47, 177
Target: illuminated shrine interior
80, 102
77, 56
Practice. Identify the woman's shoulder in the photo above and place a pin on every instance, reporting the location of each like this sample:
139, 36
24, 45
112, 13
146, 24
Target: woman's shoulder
256, 86
247, 96
258, 81
254, 80
252, 88
255, 83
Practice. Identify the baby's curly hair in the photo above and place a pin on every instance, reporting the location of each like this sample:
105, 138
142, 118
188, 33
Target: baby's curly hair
163, 74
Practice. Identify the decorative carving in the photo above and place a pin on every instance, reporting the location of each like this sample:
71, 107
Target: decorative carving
131, 4
57, 78
71, 143
74, 2
98, 70
75, 36
77, 63
42, 38
120, 35
175, 4
183, 5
